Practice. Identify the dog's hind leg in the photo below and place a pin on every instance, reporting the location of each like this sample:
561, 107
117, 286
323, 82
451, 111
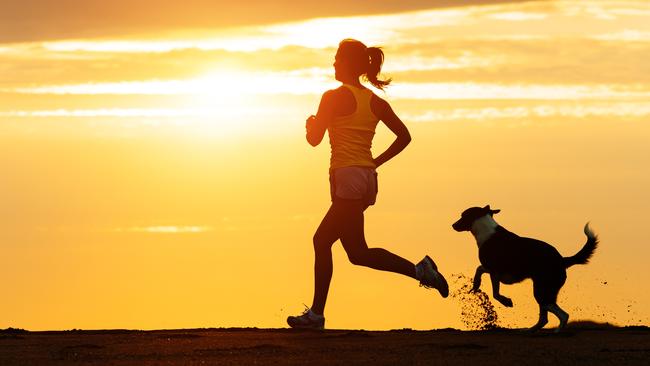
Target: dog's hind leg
543, 319
561, 314
545, 290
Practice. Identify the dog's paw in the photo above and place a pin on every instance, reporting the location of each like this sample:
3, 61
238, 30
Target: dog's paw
505, 301
476, 285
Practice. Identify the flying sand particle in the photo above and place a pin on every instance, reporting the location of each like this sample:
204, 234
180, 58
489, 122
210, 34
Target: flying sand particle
477, 311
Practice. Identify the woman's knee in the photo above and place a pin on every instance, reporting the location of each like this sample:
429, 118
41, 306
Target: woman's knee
321, 242
358, 257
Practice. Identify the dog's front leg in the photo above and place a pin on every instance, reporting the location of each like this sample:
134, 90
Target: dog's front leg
480, 270
495, 292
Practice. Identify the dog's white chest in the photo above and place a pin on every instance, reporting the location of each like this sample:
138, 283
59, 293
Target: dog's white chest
483, 228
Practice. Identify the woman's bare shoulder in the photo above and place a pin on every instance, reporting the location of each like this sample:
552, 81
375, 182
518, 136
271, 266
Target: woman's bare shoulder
340, 100
379, 106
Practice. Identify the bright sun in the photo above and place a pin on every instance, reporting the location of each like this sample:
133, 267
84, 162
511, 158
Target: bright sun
221, 102
237, 100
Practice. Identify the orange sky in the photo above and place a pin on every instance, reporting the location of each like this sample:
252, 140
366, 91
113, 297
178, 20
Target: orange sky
156, 173
37, 20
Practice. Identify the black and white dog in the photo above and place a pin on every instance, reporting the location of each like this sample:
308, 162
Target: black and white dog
510, 258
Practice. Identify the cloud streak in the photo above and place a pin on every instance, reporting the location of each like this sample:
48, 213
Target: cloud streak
37, 20
619, 110
166, 229
590, 109
521, 51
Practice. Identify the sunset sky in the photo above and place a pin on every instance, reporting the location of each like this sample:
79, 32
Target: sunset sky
156, 175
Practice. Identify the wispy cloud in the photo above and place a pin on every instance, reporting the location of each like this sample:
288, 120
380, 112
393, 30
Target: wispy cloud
22, 20
619, 110
519, 16
604, 9
314, 33
409, 27
625, 35
590, 109
221, 84
165, 229
520, 51
286, 84
113, 112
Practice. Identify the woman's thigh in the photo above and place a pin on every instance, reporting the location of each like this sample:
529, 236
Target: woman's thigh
350, 223
328, 230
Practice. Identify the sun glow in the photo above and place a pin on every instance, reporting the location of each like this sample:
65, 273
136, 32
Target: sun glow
223, 85
230, 89
166, 229
147, 158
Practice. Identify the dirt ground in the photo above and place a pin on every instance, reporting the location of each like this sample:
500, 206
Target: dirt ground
579, 345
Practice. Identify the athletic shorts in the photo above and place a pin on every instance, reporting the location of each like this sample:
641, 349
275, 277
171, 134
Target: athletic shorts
354, 183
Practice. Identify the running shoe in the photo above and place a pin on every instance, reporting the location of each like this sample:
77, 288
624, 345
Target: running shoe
308, 320
430, 277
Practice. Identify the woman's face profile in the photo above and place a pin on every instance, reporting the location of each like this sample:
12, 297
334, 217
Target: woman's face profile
340, 68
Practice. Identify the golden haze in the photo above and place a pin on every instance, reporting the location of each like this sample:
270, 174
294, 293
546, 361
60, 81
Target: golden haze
161, 179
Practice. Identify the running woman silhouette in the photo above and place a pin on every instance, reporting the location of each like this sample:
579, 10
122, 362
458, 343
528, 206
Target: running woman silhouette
350, 114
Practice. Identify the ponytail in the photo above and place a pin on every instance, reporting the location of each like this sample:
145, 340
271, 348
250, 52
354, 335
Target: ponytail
375, 60
364, 61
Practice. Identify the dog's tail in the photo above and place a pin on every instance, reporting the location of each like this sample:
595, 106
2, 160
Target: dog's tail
582, 257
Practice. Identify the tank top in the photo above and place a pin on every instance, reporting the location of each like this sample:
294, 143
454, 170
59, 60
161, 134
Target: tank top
351, 135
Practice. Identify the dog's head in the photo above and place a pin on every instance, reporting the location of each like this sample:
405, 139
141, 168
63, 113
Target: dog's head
470, 215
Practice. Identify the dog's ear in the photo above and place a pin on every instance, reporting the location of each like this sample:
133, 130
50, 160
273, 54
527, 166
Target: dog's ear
491, 211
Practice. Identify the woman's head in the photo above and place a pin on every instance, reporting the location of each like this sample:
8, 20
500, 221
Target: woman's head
354, 59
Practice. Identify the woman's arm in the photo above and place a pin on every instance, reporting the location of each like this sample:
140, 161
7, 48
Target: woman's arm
317, 125
390, 119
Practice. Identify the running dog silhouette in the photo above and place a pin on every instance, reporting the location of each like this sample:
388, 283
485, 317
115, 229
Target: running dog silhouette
510, 258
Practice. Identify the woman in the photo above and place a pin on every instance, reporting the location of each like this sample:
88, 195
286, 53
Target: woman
350, 114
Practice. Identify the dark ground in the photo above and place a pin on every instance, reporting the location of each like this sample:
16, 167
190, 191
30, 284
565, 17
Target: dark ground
579, 345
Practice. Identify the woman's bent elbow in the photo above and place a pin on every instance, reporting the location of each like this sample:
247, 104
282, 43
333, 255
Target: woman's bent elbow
406, 139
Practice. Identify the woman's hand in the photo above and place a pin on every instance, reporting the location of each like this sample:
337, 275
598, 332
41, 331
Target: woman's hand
317, 125
314, 129
309, 123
